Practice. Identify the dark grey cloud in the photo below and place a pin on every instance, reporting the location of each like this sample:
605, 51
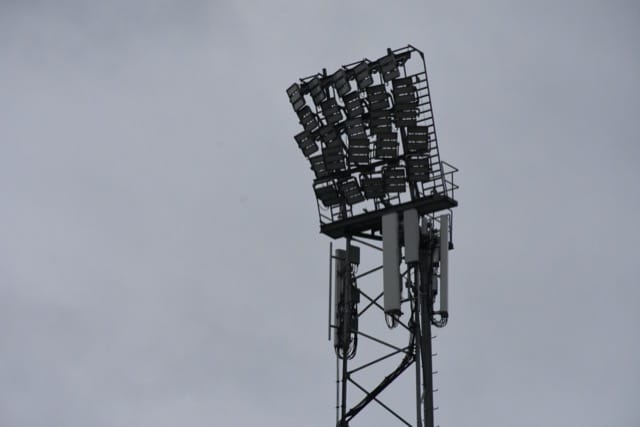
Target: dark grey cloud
159, 256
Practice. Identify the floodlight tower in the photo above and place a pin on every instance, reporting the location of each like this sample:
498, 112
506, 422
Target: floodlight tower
371, 141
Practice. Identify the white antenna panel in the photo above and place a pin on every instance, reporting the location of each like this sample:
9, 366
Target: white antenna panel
444, 263
411, 236
391, 263
338, 289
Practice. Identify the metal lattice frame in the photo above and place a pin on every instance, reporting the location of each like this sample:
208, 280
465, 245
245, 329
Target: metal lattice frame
416, 324
371, 141
372, 126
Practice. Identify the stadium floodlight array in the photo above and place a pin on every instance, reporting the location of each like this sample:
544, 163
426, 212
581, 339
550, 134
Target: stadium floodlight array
370, 138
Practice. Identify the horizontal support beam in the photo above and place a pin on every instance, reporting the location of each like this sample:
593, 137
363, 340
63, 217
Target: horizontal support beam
372, 221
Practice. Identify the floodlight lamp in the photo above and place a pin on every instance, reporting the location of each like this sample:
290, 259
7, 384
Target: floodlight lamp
351, 191
353, 104
327, 193
373, 186
394, 179
355, 128
341, 82
378, 98
380, 120
331, 111
388, 67
308, 119
316, 90
386, 144
363, 75
295, 96
318, 166
306, 142
334, 158
359, 150
328, 135
417, 168
417, 139
405, 117
405, 93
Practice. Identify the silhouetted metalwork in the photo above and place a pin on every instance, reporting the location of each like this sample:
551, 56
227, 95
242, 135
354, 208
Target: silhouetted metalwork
369, 135
377, 134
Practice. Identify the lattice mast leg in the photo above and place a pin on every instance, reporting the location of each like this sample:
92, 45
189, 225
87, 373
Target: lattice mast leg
426, 311
370, 138
422, 297
346, 331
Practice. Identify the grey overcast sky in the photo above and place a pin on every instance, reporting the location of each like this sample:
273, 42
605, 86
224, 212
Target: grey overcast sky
160, 261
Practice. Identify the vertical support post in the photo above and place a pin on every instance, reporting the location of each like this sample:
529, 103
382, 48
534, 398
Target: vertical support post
337, 390
338, 302
444, 264
391, 262
427, 366
418, 349
330, 288
412, 257
346, 329
426, 311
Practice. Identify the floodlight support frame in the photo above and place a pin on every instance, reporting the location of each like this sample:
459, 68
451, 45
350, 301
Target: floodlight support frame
431, 188
346, 330
418, 351
438, 188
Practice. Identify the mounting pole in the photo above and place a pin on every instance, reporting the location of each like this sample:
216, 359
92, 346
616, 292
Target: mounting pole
346, 329
426, 310
399, 187
418, 346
